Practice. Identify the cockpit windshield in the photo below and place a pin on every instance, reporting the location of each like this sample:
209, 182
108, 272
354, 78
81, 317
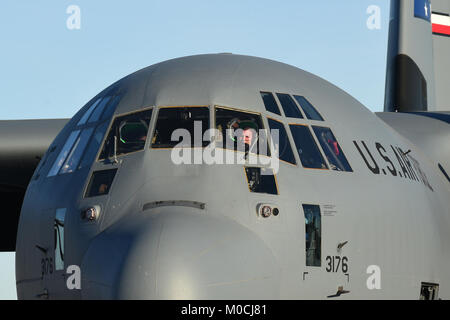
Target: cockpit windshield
241, 131
308, 151
282, 144
332, 149
128, 134
187, 123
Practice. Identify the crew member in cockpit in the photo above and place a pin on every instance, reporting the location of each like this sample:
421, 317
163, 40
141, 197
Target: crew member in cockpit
248, 133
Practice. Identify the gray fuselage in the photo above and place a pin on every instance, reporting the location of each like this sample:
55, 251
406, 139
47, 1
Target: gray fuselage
193, 231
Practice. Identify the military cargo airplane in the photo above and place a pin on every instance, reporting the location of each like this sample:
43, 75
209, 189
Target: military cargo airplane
357, 207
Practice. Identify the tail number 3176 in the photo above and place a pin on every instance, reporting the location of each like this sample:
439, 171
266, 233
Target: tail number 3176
337, 264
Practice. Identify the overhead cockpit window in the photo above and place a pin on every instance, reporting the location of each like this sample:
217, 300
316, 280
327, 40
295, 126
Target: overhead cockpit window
94, 145
308, 109
332, 149
111, 107
308, 150
63, 153
128, 134
176, 127
290, 108
77, 151
99, 109
100, 183
281, 141
261, 180
88, 113
43, 162
270, 103
240, 131
313, 235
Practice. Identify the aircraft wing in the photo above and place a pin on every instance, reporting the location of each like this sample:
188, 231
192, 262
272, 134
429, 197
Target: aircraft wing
22, 144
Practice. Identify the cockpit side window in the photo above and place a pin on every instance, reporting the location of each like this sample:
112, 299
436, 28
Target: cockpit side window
332, 149
308, 109
281, 141
308, 151
180, 123
270, 103
240, 131
128, 134
290, 108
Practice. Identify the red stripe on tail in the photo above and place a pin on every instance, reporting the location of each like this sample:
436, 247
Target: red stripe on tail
441, 29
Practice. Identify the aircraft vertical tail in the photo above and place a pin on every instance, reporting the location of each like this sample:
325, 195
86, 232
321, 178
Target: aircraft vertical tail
441, 45
418, 64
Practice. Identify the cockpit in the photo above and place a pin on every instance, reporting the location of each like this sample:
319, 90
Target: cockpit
290, 128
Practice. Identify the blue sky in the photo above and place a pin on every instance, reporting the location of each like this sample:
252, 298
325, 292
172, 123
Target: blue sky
49, 71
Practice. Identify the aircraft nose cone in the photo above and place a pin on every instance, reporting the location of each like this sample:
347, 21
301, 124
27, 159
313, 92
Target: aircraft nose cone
179, 253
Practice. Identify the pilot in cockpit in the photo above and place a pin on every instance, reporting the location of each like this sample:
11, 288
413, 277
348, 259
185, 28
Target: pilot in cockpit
246, 136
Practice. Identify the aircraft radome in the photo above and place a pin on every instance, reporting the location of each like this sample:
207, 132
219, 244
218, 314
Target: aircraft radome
223, 176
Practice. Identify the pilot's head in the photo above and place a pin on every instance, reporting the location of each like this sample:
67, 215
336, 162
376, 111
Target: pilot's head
249, 133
